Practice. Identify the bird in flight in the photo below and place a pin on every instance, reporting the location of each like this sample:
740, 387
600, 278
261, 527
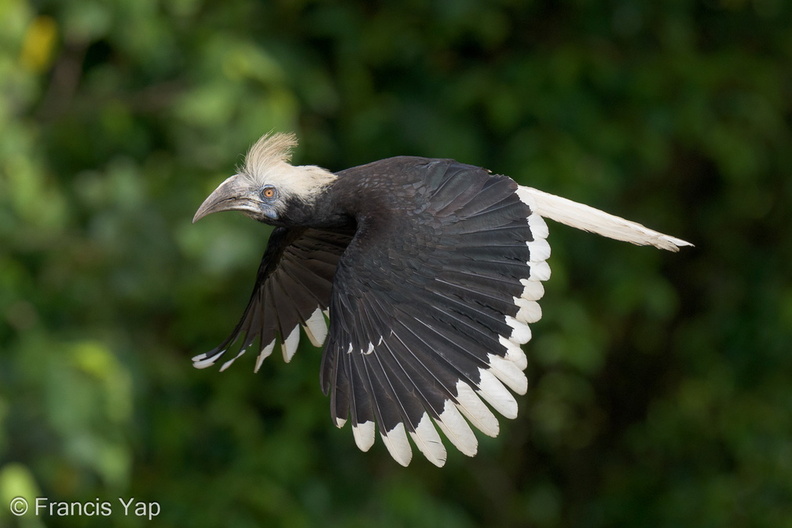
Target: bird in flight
428, 271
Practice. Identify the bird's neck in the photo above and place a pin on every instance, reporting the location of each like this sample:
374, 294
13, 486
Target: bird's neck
326, 210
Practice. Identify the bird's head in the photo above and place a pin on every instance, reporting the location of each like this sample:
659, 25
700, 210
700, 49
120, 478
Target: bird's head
267, 185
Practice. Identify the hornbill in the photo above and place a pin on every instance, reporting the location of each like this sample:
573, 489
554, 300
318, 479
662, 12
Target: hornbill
429, 272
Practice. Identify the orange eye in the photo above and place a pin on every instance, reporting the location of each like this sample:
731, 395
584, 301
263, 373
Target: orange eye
269, 192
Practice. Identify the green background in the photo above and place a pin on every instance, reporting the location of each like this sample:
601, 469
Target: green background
660, 384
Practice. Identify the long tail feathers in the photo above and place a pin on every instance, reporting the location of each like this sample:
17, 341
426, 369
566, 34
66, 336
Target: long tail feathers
590, 219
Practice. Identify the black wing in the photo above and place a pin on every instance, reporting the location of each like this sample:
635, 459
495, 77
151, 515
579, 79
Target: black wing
429, 310
292, 290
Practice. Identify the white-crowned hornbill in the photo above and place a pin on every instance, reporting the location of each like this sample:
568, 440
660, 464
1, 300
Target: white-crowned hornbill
429, 271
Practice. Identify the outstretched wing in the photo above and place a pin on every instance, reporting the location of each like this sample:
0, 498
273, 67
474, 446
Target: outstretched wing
429, 312
292, 290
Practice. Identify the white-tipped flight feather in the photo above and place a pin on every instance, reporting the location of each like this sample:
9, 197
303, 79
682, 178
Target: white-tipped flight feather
457, 430
397, 444
509, 373
316, 328
493, 391
230, 361
264, 354
289, 346
202, 361
428, 441
364, 435
514, 352
470, 405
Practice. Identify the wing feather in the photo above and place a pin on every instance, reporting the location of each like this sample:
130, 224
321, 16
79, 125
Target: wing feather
427, 312
293, 285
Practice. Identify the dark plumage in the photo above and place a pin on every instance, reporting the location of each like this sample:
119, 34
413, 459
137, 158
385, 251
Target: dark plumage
429, 271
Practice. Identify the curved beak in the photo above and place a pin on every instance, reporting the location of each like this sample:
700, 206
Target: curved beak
231, 195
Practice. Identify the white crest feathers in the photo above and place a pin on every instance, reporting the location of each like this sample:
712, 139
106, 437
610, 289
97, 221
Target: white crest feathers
268, 151
268, 163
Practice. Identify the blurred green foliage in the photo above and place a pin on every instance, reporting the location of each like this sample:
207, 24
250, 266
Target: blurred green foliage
660, 383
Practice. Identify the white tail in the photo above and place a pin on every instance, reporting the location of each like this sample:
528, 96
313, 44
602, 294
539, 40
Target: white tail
587, 218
